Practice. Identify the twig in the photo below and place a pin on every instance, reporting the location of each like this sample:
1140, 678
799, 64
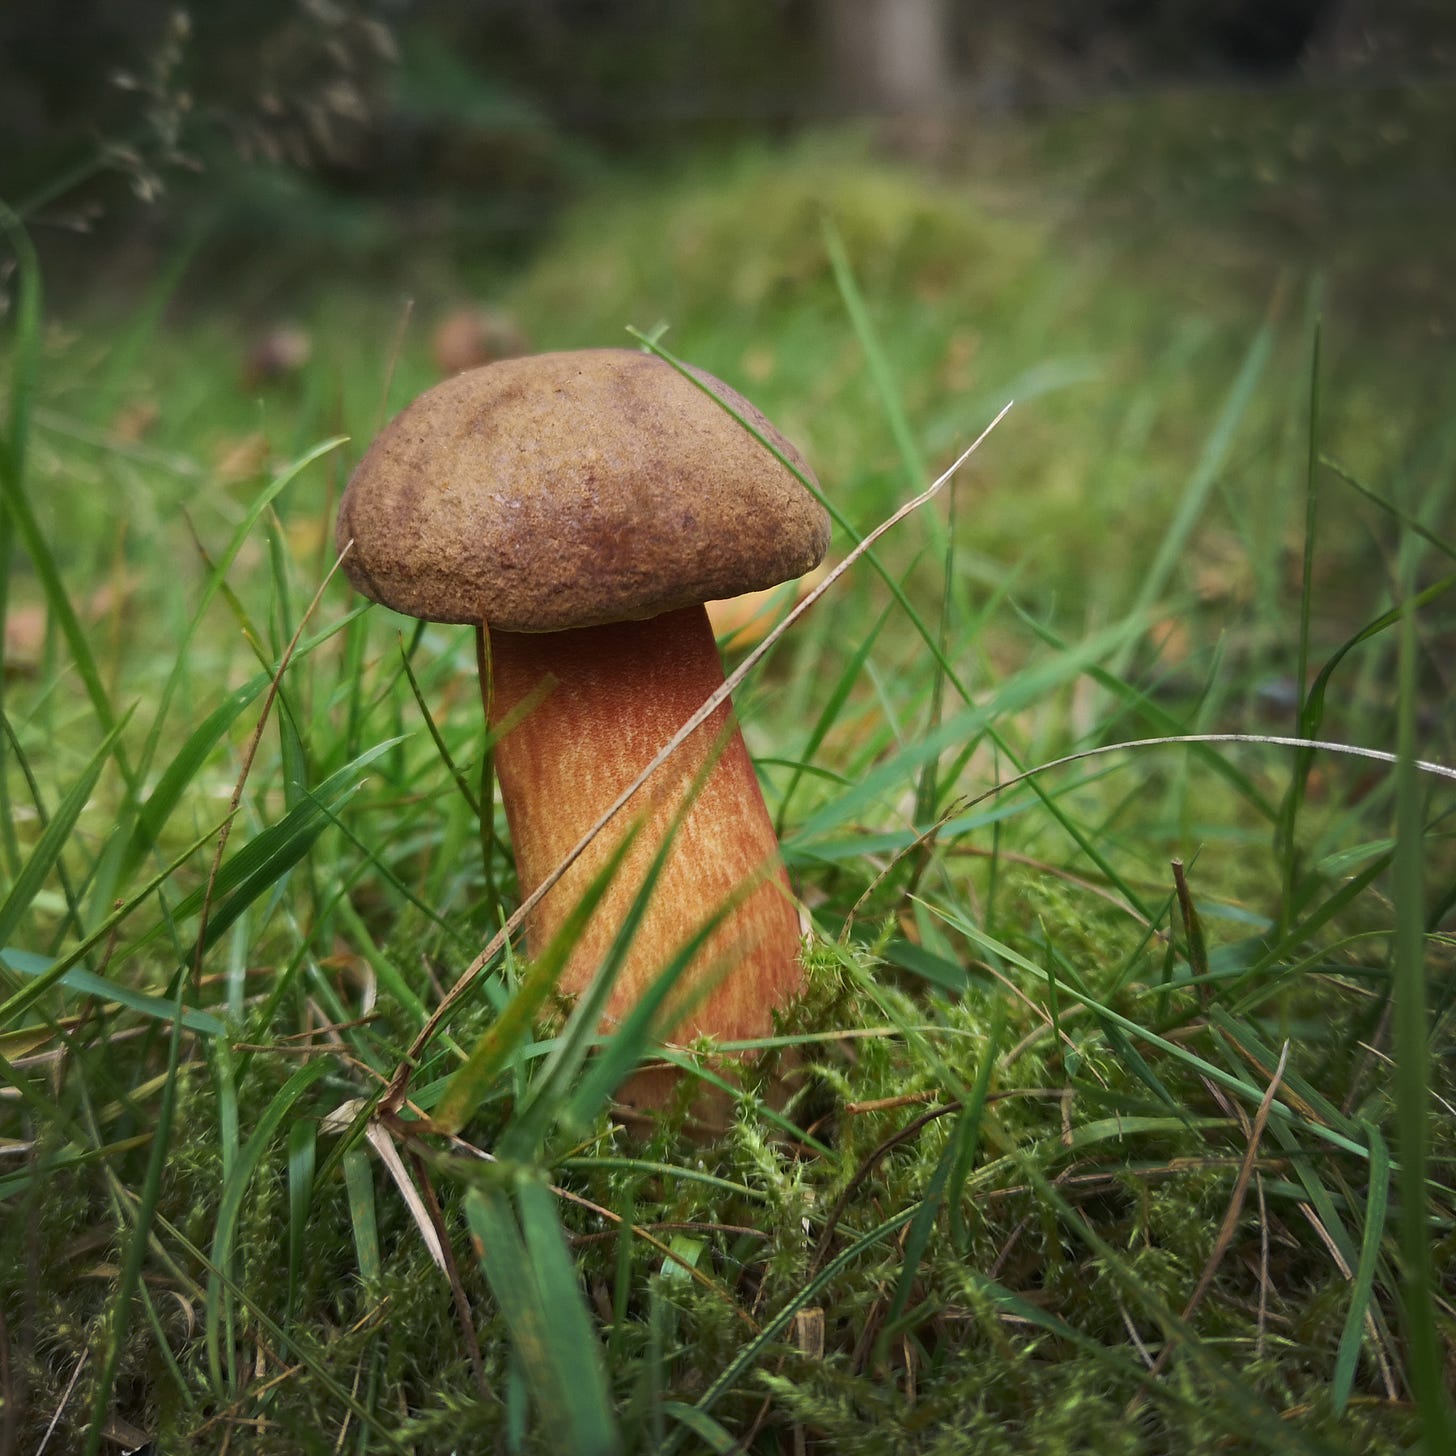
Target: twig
65, 1401
905, 1134
1241, 1188
1192, 925
1133, 1335
1059, 872
888, 1104
1230, 1219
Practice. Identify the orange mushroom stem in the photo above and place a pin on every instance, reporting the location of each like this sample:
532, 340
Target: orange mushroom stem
607, 699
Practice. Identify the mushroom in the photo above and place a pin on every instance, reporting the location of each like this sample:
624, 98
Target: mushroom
578, 509
468, 337
280, 353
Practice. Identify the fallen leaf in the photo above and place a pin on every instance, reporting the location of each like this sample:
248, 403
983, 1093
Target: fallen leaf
739, 622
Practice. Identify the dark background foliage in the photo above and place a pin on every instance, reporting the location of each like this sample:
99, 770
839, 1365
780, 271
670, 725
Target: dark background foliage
352, 124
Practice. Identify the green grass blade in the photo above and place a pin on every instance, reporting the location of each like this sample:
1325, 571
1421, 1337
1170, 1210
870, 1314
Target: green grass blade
687, 1174
363, 1215
1242, 1409
265, 859
157, 1008
136, 1247
386, 971
1412, 1055
966, 1137
25, 361
58, 602
575, 1348
216, 580
1407, 521
828, 716
126, 360
1244, 1088
1256, 1050
1314, 709
502, 1255
14, 438
922, 1227
302, 1160
55, 971
912, 459
1164, 723
739, 1367
370, 860
913, 463
1304, 724
1134, 1061
1321, 915
274, 853
1377, 1196
579, 1102
57, 835
284, 1338
1033, 684
561, 1366
1311, 509
181, 772
1205, 475
445, 757
703, 1426
68, 893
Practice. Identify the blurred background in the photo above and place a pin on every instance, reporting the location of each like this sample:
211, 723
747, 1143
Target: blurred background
263, 224
405, 136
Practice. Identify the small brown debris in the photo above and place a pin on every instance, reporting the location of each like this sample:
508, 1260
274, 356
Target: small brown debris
470, 336
134, 421
241, 457
279, 354
25, 625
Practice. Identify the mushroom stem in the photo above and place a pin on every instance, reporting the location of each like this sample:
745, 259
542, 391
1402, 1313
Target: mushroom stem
621, 691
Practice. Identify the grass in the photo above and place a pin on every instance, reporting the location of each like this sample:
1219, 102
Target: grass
1092, 1151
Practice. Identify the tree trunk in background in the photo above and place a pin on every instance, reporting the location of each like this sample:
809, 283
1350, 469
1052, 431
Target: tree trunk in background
889, 58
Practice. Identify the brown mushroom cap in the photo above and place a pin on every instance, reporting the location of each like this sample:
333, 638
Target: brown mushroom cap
571, 490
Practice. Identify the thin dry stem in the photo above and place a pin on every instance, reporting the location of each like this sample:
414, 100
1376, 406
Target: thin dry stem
1274, 740
1231, 1217
452, 1273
